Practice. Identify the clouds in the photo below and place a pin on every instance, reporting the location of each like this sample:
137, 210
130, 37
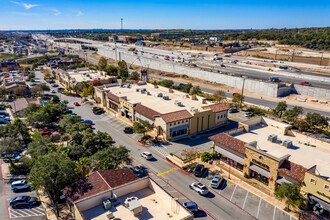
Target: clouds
79, 13
25, 5
56, 12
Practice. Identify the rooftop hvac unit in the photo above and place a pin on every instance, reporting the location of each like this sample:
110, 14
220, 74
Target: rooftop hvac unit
160, 94
106, 204
193, 109
148, 93
137, 90
287, 143
272, 138
166, 97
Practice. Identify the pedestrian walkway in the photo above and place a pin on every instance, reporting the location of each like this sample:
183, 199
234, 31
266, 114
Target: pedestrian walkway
161, 150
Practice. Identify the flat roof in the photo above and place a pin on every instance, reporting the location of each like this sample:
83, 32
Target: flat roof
158, 103
85, 75
153, 208
301, 154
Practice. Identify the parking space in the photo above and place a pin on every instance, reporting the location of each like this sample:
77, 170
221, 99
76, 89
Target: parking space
34, 213
251, 203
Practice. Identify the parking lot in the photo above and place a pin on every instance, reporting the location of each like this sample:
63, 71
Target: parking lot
247, 201
35, 213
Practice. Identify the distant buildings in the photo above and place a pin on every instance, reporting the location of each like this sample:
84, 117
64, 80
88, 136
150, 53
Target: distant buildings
164, 35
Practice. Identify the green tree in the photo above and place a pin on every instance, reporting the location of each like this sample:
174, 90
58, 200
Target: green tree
291, 193
316, 120
32, 107
112, 70
43, 86
34, 65
292, 114
51, 173
195, 90
167, 83
134, 76
207, 156
110, 158
219, 96
20, 128
280, 109
185, 88
3, 92
122, 66
21, 91
83, 167
10, 145
40, 145
102, 65
238, 99
301, 125
56, 99
26, 69
141, 127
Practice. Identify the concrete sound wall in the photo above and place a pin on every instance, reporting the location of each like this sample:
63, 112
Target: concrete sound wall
311, 91
265, 88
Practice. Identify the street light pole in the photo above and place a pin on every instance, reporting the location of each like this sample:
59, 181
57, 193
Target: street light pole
244, 77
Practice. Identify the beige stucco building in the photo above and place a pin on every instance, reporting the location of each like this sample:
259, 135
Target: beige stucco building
172, 113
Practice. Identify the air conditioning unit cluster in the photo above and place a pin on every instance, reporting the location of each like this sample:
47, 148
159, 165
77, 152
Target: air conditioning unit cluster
166, 97
287, 143
160, 94
193, 109
272, 138
178, 103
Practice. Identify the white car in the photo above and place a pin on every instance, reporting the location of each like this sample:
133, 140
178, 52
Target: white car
200, 188
147, 155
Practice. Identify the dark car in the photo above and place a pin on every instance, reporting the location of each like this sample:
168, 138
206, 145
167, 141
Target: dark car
233, 110
98, 110
2, 107
4, 113
128, 129
191, 206
68, 111
199, 170
23, 201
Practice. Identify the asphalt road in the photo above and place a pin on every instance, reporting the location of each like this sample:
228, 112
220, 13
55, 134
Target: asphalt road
3, 199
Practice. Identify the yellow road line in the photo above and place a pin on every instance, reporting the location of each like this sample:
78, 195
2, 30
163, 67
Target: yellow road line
167, 172
230, 184
233, 118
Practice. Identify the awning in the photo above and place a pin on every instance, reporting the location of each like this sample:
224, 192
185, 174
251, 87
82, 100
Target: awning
179, 128
324, 204
230, 155
281, 180
259, 170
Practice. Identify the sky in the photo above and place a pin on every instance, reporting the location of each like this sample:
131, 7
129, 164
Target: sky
162, 14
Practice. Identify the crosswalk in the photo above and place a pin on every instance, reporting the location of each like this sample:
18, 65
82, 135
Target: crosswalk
160, 149
20, 213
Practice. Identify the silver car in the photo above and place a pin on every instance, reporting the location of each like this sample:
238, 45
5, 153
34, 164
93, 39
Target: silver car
216, 181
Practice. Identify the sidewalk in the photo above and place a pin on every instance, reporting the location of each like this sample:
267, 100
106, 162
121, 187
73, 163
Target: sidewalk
237, 178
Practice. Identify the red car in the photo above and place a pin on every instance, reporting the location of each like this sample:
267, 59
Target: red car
305, 83
76, 104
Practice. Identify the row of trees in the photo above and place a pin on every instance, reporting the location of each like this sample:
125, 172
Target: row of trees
313, 122
77, 151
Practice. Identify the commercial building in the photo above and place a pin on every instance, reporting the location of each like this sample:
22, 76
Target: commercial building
76, 77
269, 152
121, 195
173, 114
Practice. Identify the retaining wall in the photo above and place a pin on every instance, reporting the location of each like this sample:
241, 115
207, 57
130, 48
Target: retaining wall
311, 91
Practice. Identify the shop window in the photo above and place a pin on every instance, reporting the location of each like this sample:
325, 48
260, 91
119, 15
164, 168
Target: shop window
186, 120
178, 122
313, 181
327, 187
170, 124
260, 157
218, 117
221, 116
174, 123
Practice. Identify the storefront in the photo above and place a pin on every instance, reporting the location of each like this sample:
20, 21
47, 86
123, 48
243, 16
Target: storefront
179, 131
259, 173
230, 158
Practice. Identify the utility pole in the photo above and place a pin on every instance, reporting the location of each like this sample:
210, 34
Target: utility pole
321, 59
276, 54
292, 56
121, 25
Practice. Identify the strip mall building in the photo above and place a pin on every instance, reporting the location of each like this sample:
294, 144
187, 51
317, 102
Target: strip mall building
269, 153
173, 114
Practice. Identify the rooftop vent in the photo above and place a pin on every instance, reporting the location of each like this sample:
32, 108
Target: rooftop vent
193, 109
272, 138
166, 97
287, 143
148, 93
160, 94
137, 90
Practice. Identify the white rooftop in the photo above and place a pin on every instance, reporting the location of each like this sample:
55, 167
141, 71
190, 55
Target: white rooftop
307, 156
158, 103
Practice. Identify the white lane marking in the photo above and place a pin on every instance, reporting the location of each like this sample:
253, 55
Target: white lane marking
233, 193
29, 211
258, 208
16, 212
274, 213
247, 193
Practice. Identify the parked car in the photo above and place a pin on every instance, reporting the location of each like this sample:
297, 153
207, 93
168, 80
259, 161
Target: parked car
97, 110
33, 84
233, 110
54, 85
305, 83
23, 201
4, 113
200, 188
53, 91
247, 114
3, 121
2, 107
68, 111
20, 185
128, 130
222, 65
147, 155
87, 121
199, 170
76, 104
191, 206
216, 181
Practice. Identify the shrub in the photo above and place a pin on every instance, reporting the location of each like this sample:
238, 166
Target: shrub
207, 156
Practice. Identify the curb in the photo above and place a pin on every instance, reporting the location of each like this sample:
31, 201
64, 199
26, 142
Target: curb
4, 191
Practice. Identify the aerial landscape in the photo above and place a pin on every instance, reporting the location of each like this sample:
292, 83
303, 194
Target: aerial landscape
164, 110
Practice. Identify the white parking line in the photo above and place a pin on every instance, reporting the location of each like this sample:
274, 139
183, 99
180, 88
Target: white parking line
247, 193
233, 193
37, 211
274, 212
29, 211
258, 208
15, 212
40, 208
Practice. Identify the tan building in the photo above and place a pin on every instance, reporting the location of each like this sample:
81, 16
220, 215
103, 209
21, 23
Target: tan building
269, 153
172, 113
75, 77
317, 191
121, 195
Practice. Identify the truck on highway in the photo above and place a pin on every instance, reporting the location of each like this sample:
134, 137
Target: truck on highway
274, 79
